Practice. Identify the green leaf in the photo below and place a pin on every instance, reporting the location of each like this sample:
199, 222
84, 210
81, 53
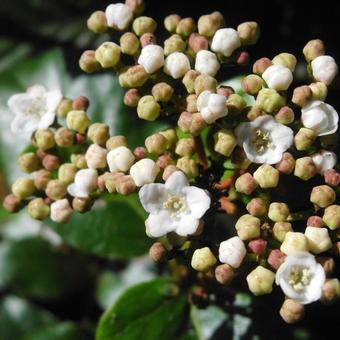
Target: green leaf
30, 266
149, 310
114, 229
19, 317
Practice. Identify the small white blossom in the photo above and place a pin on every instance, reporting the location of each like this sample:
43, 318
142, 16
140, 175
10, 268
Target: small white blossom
301, 277
60, 211
144, 172
232, 251
85, 181
34, 109
177, 65
212, 106
278, 77
225, 41
324, 160
207, 63
264, 140
320, 117
120, 159
151, 58
324, 69
173, 206
96, 157
118, 16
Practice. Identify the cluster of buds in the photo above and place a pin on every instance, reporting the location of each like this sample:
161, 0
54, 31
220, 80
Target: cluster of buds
184, 181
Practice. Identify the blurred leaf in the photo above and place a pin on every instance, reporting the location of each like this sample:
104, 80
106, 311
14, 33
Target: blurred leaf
54, 274
149, 310
19, 317
115, 229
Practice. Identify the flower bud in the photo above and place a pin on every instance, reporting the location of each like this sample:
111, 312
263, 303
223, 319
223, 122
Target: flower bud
134, 76
188, 166
248, 227
136, 6
162, 92
120, 159
171, 22
131, 98
235, 103
304, 168
248, 32
267, 176
203, 83
232, 251
118, 16
116, 141
64, 107
225, 91
56, 189
331, 216
129, 43
95, 157
126, 185
79, 161
286, 164
98, 133
319, 91
191, 103
294, 242
285, 115
11, 203
164, 160
51, 162
207, 63
80, 139
292, 311
148, 108
44, 139
313, 49
322, 196
203, 259
324, 69
198, 42
64, 137
324, 160
278, 212
147, 39
253, 112
88, 63
186, 26
41, 178
252, 84
81, 204
258, 246
302, 95
327, 263
97, 22
330, 291
176, 65
23, 187
151, 58
66, 173
276, 258
144, 171
280, 230
78, 120
111, 181
171, 136
257, 207
189, 81
260, 281
28, 162
278, 77
80, 103
269, 100
191, 122
225, 41
168, 171
157, 252
209, 24
156, 143
224, 274
318, 239
261, 65
246, 184
38, 209
61, 211
143, 25
224, 142
185, 147
315, 221
285, 59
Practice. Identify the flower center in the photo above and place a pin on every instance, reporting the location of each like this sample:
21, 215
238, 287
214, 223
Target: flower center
175, 204
261, 141
36, 107
299, 278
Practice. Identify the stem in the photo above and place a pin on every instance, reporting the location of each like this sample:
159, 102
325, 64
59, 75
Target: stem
200, 152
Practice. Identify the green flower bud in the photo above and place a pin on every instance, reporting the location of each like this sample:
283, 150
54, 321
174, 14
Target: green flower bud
78, 120
98, 133
235, 103
304, 139
156, 144
42, 177
171, 136
285, 115
66, 173
331, 216
188, 166
162, 92
79, 161
97, 22
171, 22
129, 43
278, 212
186, 26
64, 107
205, 82
319, 90
254, 112
23, 187
280, 230
115, 142
38, 209
260, 281
323, 196
249, 32
267, 176
134, 76
108, 54
11, 203
269, 100
294, 242
257, 207
203, 259
56, 189
148, 108
209, 24
82, 205
189, 80
248, 227
304, 168
88, 63
302, 95
143, 25
44, 139
313, 49
64, 137
285, 59
28, 162
191, 103
252, 84
185, 147
292, 311
330, 291
174, 44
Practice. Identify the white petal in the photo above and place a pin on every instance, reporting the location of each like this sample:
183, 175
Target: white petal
197, 200
186, 226
202, 100
46, 120
176, 182
18, 103
77, 191
152, 196
160, 224
23, 124
36, 90
53, 99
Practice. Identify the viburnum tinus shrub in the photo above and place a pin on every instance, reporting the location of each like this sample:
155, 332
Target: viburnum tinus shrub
218, 184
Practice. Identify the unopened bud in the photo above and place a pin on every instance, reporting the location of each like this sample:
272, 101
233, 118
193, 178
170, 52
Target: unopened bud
61, 211
129, 43
11, 203
64, 137
304, 168
313, 49
171, 22
162, 92
143, 25
126, 185
156, 143
164, 160
253, 112
96, 157
191, 103
285, 59
235, 103
131, 98
120, 159
176, 65
64, 107
278, 212
322, 196
258, 246
330, 291
327, 263
28, 162
115, 142
286, 164
97, 22
252, 84
331, 216
302, 95
243, 58
98, 133
209, 24
280, 230
171, 136
318, 239
198, 42
189, 80
260, 281
319, 90
188, 166
225, 91
66, 172
56, 189
315, 221
285, 115
44, 139
51, 162
186, 26
224, 274
267, 176
207, 63
276, 258
185, 147
42, 177
332, 177
203, 259
261, 65
79, 161
147, 39
157, 252
191, 122
246, 184
136, 6
294, 242
82, 205
23, 187
248, 32
292, 311
269, 100
38, 209
148, 108
144, 171
205, 82
168, 171
81, 103
134, 76
248, 227
78, 120
88, 63
257, 207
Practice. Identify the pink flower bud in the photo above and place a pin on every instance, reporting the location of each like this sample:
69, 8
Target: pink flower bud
225, 91
80, 103
246, 184
50, 162
148, 39
261, 65
224, 274
257, 246
131, 98
257, 207
243, 58
276, 258
11, 203
198, 42
157, 252
164, 160
140, 152
332, 177
315, 221
80, 139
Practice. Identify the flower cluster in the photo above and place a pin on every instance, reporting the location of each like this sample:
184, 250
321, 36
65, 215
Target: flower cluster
221, 155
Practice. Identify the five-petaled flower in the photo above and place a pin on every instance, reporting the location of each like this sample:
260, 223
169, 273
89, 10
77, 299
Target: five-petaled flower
173, 206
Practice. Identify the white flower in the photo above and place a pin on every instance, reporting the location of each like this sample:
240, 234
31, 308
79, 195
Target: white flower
278, 77
60, 211
151, 58
264, 140
207, 63
144, 171
34, 109
212, 106
324, 69
320, 117
324, 160
232, 251
177, 65
120, 159
85, 181
301, 277
225, 41
173, 206
118, 16
96, 157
